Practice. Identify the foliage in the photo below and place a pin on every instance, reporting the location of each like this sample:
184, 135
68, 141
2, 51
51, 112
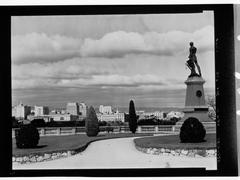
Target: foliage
27, 136
212, 104
192, 131
126, 117
106, 128
102, 123
66, 124
15, 123
154, 121
38, 123
174, 120
132, 117
92, 127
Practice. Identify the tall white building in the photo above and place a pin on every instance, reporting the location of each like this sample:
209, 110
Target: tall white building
105, 109
83, 109
21, 111
41, 110
72, 108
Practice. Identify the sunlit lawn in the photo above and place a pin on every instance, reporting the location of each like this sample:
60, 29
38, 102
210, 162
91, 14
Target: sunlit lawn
173, 142
50, 144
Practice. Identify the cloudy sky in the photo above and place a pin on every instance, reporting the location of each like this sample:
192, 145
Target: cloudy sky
108, 59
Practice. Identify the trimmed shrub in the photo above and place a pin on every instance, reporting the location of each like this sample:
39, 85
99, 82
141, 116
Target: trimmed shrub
27, 136
132, 117
192, 131
92, 127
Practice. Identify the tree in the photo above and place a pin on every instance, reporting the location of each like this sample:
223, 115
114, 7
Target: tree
132, 117
92, 127
15, 123
212, 104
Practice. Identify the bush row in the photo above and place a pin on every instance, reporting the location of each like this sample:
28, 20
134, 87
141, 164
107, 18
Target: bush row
154, 121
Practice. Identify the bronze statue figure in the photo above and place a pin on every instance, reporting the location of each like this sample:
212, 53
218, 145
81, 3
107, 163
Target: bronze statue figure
192, 61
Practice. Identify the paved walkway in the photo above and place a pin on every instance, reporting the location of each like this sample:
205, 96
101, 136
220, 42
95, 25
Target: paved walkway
119, 153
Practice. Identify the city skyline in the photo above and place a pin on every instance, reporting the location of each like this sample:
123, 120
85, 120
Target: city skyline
109, 59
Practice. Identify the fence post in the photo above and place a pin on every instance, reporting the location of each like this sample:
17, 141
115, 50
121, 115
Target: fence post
156, 129
74, 130
13, 132
173, 128
58, 131
139, 129
42, 132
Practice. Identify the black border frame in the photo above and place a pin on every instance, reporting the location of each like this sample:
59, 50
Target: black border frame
225, 87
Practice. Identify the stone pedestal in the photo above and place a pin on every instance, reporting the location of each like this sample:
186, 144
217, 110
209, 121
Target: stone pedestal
195, 105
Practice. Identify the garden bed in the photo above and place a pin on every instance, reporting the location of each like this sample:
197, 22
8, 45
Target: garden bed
171, 145
54, 147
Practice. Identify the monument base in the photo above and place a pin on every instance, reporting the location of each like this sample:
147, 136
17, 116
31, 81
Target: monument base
201, 113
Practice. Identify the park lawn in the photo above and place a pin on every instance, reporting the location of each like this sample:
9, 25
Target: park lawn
173, 142
51, 144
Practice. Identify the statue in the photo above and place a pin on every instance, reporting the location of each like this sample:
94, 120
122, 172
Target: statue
192, 61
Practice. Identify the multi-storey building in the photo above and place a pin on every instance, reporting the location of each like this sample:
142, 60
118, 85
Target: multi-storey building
105, 109
41, 110
83, 109
72, 108
21, 111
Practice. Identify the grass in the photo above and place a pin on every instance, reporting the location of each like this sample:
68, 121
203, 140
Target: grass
173, 142
51, 144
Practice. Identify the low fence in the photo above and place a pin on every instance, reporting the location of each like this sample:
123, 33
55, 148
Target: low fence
49, 131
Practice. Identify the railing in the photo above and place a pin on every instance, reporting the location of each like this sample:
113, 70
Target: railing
49, 131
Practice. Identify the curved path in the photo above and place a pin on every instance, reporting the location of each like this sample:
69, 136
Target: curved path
119, 153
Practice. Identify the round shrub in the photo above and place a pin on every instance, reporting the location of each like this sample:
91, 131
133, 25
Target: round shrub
27, 136
192, 131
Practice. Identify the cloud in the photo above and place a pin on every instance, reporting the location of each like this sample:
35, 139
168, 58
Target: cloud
120, 43
39, 47
101, 81
78, 72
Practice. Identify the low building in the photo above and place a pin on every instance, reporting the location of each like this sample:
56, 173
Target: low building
158, 114
175, 114
64, 117
54, 117
111, 117
46, 118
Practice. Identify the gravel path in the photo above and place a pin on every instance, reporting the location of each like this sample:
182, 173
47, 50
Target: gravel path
119, 153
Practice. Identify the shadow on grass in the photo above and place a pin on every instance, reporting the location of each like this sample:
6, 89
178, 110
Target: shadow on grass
40, 146
36, 147
193, 142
